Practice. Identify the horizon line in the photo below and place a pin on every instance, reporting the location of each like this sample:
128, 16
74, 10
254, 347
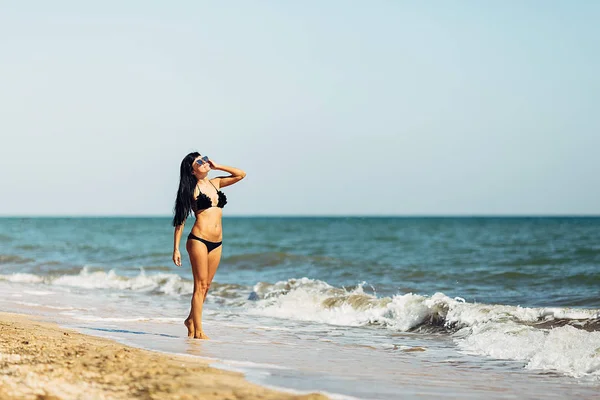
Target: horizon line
574, 215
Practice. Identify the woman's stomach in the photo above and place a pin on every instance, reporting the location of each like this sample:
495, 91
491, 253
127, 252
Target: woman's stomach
208, 224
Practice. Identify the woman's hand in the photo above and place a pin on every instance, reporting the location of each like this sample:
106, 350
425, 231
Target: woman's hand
177, 258
213, 165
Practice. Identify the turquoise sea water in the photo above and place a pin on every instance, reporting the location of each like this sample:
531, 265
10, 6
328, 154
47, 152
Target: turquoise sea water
312, 297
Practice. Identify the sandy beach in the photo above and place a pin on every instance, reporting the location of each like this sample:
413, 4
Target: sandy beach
40, 360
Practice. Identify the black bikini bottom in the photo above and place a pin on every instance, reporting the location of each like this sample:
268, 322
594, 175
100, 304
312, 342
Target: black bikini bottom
210, 246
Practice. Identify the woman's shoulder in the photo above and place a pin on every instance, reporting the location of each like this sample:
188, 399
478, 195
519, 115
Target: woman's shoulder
216, 182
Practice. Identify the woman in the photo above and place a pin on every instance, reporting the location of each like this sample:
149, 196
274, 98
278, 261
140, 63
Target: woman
203, 197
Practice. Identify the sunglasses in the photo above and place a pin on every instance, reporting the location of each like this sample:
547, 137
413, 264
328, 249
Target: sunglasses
202, 160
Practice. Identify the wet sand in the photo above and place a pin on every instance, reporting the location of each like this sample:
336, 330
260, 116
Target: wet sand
43, 361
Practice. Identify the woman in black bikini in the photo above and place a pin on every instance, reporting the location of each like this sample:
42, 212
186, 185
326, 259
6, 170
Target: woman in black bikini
203, 197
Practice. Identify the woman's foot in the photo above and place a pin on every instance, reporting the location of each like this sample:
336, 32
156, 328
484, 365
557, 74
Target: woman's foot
201, 335
190, 327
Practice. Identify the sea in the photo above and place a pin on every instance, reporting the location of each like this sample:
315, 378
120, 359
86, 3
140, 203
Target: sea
352, 307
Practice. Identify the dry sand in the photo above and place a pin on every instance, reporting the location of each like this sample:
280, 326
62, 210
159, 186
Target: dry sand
40, 360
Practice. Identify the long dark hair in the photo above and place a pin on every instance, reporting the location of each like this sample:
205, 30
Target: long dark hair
185, 193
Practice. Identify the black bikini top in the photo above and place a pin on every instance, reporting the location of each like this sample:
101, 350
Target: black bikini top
203, 201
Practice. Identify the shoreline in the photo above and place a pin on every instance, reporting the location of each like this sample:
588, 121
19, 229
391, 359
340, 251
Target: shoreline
42, 360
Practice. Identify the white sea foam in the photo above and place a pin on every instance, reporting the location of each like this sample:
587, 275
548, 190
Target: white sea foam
566, 349
313, 300
92, 318
499, 331
30, 304
170, 284
163, 283
22, 278
38, 292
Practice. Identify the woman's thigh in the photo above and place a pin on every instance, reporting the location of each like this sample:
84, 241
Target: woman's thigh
214, 258
199, 260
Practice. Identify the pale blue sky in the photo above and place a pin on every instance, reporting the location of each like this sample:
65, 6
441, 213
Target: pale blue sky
331, 107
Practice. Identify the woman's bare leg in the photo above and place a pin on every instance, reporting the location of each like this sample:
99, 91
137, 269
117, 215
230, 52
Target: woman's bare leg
199, 260
188, 321
214, 258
